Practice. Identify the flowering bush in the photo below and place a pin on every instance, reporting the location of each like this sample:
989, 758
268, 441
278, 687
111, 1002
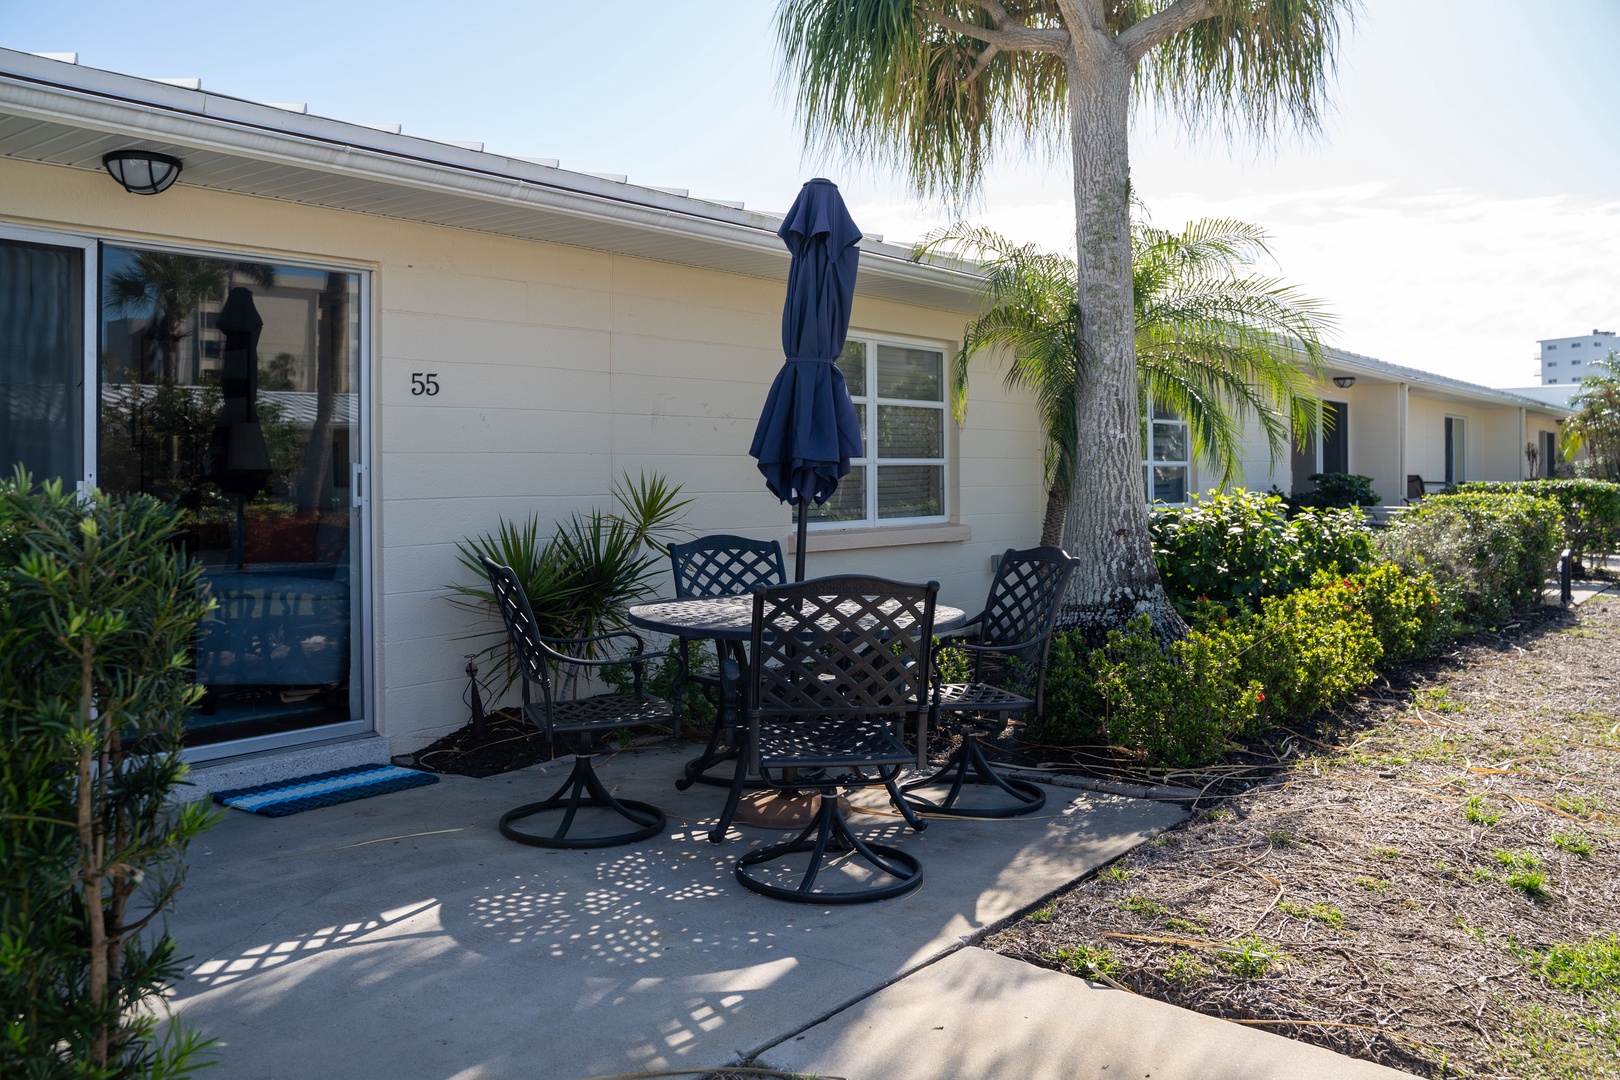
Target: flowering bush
1237, 548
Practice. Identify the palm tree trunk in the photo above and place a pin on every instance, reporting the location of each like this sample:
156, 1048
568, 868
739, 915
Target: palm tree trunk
1057, 507
1106, 522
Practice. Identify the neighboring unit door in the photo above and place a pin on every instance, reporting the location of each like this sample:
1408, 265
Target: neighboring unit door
1303, 463
1335, 437
1549, 454
1456, 451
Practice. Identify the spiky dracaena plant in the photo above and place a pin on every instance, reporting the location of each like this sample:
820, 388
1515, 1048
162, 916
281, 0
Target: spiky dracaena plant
580, 580
940, 89
1217, 342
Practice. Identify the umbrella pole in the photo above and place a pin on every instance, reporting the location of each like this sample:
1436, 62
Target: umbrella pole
798, 549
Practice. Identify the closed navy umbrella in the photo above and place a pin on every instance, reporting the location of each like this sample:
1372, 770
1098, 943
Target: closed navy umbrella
808, 429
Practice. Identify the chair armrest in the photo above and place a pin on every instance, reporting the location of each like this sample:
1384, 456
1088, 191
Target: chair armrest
610, 635
610, 661
947, 635
1017, 646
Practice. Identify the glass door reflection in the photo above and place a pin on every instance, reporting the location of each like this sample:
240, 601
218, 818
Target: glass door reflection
231, 389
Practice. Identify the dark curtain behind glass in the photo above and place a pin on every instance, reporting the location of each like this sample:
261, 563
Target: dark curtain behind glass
41, 360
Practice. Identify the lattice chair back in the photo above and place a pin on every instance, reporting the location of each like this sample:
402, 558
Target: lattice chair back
840, 647
529, 650
1025, 597
725, 565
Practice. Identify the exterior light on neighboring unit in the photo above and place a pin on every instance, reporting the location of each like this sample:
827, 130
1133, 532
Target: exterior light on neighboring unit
1344, 382
142, 172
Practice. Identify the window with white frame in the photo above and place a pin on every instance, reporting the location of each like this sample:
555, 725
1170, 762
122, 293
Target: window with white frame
1167, 465
899, 393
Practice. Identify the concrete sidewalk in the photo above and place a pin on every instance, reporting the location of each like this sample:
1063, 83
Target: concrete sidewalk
982, 1015
402, 937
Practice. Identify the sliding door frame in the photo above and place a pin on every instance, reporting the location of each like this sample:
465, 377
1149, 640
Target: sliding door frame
362, 451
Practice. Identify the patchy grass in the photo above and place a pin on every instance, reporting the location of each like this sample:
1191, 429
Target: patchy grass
1322, 913
1453, 911
1477, 813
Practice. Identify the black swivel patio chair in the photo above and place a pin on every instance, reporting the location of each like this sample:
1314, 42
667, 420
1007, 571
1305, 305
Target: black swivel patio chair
581, 721
1007, 675
839, 668
719, 565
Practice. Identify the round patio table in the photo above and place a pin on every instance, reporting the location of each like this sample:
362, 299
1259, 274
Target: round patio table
729, 622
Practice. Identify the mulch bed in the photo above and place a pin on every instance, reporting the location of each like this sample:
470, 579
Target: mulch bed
1385, 882
509, 743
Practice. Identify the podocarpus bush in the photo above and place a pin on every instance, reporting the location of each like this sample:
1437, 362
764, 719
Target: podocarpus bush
1489, 552
98, 610
1591, 511
1182, 705
1236, 548
1311, 648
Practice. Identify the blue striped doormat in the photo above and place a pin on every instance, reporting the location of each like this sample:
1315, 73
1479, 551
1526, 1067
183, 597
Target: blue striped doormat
323, 789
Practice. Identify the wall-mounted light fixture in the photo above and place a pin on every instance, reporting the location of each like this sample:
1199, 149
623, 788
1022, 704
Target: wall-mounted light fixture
1344, 382
142, 172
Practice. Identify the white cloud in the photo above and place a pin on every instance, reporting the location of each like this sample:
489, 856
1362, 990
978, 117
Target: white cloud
1455, 281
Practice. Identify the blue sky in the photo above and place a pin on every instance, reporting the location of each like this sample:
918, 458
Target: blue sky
1463, 201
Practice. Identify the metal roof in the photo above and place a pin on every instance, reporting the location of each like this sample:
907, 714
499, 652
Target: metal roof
60, 113
1341, 360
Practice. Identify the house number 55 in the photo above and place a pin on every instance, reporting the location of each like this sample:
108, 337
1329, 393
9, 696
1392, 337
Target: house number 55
424, 383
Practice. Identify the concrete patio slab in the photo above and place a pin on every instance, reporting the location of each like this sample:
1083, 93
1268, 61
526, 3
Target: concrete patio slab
402, 936
982, 1015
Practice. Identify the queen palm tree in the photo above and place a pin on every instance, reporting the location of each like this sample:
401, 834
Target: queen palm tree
1217, 343
938, 89
1595, 427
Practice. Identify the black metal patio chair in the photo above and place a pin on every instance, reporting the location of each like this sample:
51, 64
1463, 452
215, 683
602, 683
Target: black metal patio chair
581, 721
1007, 675
719, 565
839, 669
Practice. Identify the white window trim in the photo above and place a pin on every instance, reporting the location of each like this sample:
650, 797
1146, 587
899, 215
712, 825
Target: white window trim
1148, 461
871, 462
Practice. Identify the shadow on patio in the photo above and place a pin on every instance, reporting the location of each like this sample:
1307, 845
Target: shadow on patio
403, 937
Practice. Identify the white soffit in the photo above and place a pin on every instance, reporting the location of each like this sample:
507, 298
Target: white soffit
67, 115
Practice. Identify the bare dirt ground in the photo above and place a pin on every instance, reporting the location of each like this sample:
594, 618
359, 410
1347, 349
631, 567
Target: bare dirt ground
1429, 879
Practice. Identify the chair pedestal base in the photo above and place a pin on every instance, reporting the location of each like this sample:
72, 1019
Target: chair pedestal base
719, 751
584, 789
969, 767
831, 833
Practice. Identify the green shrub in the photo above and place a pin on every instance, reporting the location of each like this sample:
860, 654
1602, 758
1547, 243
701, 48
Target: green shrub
1590, 508
1490, 553
1405, 610
98, 613
1312, 648
1340, 490
1182, 706
1236, 548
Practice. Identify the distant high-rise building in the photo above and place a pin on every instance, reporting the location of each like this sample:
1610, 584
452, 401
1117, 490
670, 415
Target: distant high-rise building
1564, 360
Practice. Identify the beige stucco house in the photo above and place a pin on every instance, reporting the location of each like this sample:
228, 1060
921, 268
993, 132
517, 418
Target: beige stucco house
344, 350
487, 337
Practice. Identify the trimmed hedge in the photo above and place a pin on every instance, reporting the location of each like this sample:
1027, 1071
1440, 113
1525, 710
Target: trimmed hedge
1491, 552
1237, 548
1591, 510
1233, 675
